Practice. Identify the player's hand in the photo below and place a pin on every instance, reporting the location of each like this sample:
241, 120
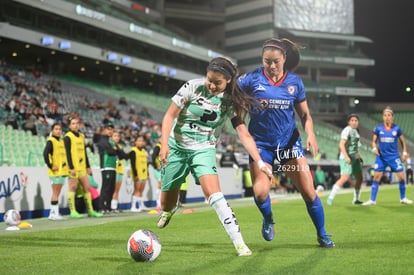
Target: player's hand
265, 169
404, 156
164, 154
312, 144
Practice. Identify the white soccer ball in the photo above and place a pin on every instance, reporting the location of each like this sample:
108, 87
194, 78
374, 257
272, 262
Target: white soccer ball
12, 217
144, 245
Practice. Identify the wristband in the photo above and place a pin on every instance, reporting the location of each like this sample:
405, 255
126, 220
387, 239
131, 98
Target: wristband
261, 164
404, 153
374, 149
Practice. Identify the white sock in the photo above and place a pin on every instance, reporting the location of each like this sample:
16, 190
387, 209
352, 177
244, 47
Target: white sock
140, 202
114, 204
226, 217
134, 202
54, 209
335, 190
357, 194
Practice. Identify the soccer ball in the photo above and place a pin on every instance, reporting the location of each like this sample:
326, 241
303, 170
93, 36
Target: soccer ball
12, 217
143, 246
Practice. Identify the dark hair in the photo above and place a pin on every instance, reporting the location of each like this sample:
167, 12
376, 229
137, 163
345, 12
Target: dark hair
139, 136
55, 124
242, 102
351, 116
288, 48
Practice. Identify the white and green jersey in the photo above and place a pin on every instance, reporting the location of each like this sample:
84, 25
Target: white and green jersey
201, 118
352, 141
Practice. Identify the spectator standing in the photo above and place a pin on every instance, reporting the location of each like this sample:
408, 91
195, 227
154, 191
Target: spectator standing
109, 152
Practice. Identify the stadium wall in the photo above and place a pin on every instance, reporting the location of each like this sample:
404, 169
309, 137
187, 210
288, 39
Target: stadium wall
28, 190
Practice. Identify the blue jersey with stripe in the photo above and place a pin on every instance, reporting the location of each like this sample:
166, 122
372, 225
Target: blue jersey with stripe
272, 124
388, 140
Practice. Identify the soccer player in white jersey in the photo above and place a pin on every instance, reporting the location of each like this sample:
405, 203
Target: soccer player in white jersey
387, 136
349, 160
280, 93
190, 130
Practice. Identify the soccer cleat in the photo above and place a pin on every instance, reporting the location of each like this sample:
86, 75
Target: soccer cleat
95, 214
165, 217
268, 229
406, 201
56, 217
243, 250
370, 202
329, 201
75, 215
325, 241
135, 210
357, 202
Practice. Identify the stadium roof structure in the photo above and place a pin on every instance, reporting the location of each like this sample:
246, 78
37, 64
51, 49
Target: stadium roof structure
332, 36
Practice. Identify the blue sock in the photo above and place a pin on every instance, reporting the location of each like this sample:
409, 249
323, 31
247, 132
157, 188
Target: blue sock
374, 190
402, 189
265, 207
315, 210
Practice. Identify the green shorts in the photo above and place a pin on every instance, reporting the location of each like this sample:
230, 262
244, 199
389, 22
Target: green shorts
180, 164
58, 180
352, 168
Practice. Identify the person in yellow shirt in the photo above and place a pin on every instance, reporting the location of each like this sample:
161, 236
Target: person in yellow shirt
139, 166
79, 168
54, 155
119, 169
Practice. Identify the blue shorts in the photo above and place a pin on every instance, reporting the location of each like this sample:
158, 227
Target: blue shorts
281, 156
394, 163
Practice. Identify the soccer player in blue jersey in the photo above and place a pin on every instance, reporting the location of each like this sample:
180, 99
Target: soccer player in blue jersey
280, 92
190, 131
387, 135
